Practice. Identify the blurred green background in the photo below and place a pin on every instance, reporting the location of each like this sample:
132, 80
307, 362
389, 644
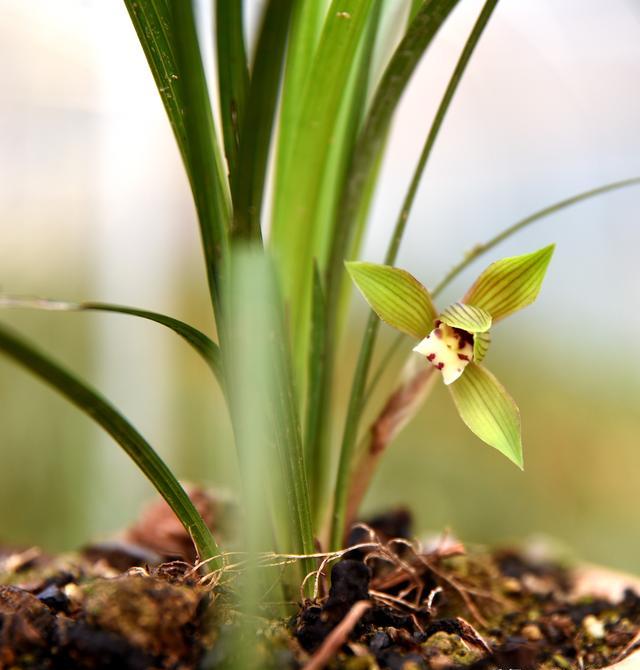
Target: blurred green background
93, 205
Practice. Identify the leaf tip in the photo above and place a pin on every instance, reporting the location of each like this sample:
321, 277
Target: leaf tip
517, 459
547, 252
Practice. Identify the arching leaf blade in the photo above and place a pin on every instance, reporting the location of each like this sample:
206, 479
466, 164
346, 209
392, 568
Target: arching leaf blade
114, 423
202, 344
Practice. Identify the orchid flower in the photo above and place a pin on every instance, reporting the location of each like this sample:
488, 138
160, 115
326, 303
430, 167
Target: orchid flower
455, 341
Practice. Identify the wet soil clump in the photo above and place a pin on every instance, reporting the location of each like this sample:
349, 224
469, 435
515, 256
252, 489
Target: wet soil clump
387, 603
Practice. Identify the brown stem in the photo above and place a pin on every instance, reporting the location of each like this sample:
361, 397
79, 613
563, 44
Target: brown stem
399, 409
337, 637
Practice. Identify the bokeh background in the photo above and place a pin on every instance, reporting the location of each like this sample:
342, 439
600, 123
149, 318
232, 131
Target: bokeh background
94, 205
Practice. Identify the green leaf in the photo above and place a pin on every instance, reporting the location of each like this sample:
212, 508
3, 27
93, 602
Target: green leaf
152, 22
467, 317
138, 449
306, 26
397, 297
206, 171
167, 33
233, 75
510, 284
481, 342
403, 63
488, 411
258, 340
344, 137
315, 431
259, 116
298, 202
202, 344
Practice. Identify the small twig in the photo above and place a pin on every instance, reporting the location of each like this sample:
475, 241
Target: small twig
394, 599
337, 637
462, 591
16, 562
472, 636
431, 597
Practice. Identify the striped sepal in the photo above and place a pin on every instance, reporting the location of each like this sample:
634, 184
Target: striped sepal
489, 411
510, 284
395, 296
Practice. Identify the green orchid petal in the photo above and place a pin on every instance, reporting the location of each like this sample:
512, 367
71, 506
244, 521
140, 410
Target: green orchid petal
489, 411
510, 284
468, 317
397, 297
481, 342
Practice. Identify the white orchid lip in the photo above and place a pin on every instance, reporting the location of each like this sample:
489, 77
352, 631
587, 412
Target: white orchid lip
448, 349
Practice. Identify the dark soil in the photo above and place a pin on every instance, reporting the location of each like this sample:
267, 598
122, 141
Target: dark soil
390, 604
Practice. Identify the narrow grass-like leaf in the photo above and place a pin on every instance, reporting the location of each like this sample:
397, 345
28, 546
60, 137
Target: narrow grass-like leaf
347, 127
152, 22
470, 318
510, 284
481, 249
205, 169
406, 57
290, 436
233, 76
306, 25
396, 296
344, 136
488, 411
252, 389
481, 342
299, 192
202, 344
356, 242
257, 126
414, 8
349, 437
253, 292
138, 449
314, 455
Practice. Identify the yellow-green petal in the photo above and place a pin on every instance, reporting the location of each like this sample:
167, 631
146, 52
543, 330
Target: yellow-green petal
468, 317
489, 411
396, 296
510, 284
